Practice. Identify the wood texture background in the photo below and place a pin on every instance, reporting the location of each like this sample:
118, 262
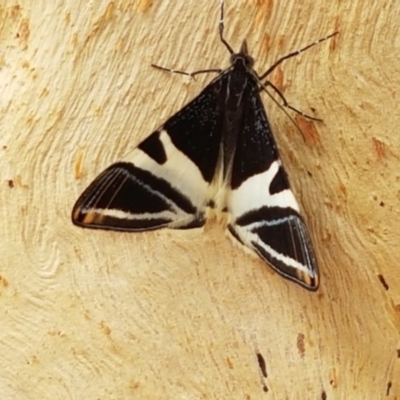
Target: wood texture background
182, 315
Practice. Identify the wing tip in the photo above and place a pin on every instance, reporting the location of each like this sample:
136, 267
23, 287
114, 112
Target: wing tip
307, 276
311, 284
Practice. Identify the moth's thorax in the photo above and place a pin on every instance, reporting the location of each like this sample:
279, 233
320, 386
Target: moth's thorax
239, 85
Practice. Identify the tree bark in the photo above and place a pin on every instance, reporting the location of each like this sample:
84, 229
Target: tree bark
185, 314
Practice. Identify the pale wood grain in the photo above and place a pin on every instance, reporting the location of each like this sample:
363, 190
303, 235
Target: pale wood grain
182, 315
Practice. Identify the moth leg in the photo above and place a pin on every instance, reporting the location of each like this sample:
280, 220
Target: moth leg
191, 74
285, 102
278, 62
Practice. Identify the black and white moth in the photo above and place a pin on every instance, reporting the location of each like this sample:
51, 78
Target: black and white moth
217, 152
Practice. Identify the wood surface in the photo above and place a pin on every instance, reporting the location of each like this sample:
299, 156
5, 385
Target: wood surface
185, 314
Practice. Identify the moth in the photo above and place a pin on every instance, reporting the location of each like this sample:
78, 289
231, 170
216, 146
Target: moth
217, 152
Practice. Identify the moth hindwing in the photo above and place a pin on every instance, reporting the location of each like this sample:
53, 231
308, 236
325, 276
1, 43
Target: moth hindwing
217, 150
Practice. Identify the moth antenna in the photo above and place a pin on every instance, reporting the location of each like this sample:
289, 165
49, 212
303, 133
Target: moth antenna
293, 54
222, 27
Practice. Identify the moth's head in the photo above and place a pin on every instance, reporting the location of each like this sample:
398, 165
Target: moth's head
243, 57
